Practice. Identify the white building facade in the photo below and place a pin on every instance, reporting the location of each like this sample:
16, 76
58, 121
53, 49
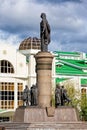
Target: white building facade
17, 69
13, 77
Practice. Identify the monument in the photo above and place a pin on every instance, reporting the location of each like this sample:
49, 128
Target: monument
44, 65
44, 112
44, 116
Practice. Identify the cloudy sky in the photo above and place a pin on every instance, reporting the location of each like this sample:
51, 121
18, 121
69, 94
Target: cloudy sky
20, 19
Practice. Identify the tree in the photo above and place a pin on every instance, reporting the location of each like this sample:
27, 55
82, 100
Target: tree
83, 112
79, 100
73, 93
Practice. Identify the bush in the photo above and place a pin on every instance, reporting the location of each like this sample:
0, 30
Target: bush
83, 112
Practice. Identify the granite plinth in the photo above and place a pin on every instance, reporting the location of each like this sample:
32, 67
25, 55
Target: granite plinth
35, 114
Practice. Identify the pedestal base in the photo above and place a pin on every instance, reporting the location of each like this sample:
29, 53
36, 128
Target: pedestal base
33, 114
45, 126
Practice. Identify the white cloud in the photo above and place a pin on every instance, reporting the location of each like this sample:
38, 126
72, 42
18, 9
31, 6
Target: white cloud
5, 38
21, 18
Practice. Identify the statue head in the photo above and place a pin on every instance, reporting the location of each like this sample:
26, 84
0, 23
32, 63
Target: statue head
62, 86
57, 86
43, 15
26, 86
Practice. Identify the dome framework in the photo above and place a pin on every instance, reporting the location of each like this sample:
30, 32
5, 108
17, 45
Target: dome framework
30, 43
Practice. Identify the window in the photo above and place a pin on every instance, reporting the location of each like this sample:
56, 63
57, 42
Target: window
6, 67
3, 119
6, 95
20, 92
83, 91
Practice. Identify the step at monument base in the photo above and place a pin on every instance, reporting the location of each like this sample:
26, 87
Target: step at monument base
45, 126
34, 118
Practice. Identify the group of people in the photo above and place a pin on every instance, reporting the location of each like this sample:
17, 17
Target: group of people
30, 96
61, 96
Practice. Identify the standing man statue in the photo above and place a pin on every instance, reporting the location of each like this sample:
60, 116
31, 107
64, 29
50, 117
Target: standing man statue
57, 96
34, 95
26, 96
65, 96
44, 32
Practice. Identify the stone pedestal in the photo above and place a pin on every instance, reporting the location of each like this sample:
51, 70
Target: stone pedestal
44, 78
35, 114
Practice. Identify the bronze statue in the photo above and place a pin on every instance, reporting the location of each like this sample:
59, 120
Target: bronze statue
26, 96
44, 32
61, 96
58, 96
34, 95
65, 96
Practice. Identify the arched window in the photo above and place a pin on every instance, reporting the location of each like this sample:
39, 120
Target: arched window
6, 67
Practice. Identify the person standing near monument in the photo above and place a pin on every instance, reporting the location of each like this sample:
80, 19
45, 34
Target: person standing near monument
44, 32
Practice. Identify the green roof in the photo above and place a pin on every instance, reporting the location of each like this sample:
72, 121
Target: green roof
70, 66
79, 63
66, 53
69, 70
86, 55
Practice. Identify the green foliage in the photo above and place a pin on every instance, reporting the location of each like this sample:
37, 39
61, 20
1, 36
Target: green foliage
79, 100
74, 94
83, 112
